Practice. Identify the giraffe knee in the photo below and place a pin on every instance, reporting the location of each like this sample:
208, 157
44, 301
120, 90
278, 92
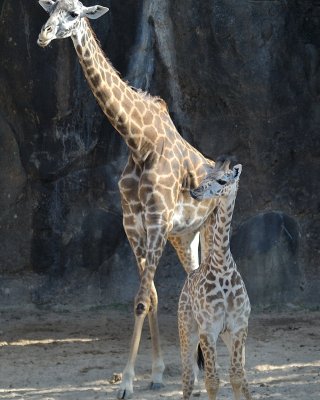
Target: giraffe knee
212, 386
140, 309
146, 302
142, 305
236, 377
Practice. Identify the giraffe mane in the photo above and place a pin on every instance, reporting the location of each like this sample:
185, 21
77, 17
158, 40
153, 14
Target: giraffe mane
155, 99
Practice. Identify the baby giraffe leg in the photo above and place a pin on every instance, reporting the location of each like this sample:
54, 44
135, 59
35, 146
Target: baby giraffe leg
208, 347
188, 335
188, 374
237, 373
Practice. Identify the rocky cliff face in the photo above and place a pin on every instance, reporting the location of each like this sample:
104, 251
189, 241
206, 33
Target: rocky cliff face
239, 77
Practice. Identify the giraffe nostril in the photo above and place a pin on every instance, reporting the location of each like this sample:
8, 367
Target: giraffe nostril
48, 29
193, 194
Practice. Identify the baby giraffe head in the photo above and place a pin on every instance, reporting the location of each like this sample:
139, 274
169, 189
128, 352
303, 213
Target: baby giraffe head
221, 181
65, 17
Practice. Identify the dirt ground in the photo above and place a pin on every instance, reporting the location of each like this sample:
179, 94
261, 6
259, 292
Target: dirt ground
73, 355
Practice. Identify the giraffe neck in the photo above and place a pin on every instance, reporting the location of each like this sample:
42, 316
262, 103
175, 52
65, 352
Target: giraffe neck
220, 253
123, 106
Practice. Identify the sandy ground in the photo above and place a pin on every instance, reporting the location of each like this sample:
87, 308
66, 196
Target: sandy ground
73, 355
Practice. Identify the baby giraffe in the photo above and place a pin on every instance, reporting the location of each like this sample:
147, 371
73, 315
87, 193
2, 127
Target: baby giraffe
214, 299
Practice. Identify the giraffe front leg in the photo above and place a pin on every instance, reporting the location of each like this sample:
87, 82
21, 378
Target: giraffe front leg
189, 339
157, 234
125, 390
237, 373
150, 308
208, 347
126, 386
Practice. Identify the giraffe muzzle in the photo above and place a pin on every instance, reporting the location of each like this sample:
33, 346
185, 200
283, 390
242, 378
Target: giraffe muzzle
46, 35
195, 195
42, 43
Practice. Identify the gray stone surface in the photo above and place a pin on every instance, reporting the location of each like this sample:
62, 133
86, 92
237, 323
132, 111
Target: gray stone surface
266, 249
239, 77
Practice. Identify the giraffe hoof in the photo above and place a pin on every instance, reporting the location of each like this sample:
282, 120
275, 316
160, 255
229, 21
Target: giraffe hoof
156, 386
124, 394
140, 309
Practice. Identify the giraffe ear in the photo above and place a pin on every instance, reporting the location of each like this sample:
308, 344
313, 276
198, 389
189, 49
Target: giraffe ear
237, 171
94, 12
46, 4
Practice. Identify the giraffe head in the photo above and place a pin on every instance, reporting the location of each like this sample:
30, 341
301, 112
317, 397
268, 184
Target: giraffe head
221, 181
65, 17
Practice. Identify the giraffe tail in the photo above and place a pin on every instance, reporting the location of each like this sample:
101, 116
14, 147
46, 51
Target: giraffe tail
200, 358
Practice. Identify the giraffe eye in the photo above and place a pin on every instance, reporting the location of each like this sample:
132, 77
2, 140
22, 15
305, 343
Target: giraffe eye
221, 182
73, 14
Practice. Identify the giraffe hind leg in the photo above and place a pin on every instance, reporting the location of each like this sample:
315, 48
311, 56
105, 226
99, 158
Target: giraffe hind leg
157, 360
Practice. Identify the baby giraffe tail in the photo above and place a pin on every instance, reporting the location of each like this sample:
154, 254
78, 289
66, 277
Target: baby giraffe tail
200, 358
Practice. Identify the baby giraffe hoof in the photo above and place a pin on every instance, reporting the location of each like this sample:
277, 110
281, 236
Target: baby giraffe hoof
156, 386
124, 394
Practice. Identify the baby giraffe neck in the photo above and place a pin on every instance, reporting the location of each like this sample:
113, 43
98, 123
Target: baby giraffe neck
221, 254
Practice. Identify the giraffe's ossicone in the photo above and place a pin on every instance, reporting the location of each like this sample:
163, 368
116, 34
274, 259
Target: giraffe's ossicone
161, 169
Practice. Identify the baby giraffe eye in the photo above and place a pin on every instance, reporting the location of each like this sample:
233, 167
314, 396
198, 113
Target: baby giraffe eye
73, 14
221, 182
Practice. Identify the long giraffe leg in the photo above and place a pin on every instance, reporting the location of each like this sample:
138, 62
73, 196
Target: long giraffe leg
157, 360
237, 373
208, 347
143, 306
189, 339
126, 385
188, 254
157, 235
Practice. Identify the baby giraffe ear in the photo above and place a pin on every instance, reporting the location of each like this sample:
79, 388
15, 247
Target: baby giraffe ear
237, 171
46, 4
94, 12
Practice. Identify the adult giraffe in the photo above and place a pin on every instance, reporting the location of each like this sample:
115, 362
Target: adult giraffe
155, 184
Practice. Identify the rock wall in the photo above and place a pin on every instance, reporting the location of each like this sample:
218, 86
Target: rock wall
239, 77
